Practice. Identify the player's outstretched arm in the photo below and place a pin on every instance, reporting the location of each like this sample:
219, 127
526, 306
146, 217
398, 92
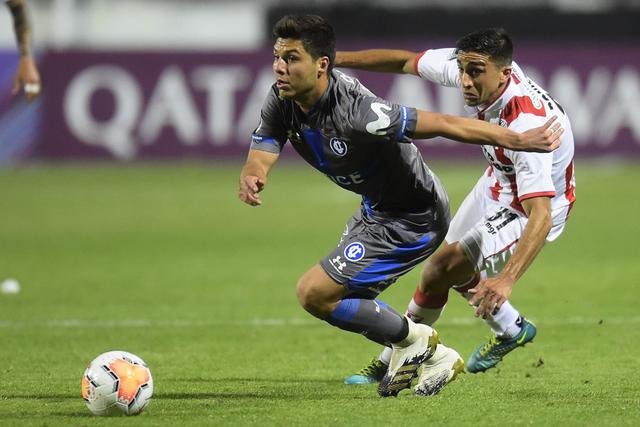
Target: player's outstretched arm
253, 176
491, 293
385, 60
545, 138
27, 76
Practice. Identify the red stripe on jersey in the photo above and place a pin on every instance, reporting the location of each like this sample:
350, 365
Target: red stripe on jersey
518, 105
515, 78
538, 194
570, 191
515, 203
502, 157
495, 190
415, 62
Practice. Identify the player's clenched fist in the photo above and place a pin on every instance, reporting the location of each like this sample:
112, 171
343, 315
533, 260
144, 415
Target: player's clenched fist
250, 186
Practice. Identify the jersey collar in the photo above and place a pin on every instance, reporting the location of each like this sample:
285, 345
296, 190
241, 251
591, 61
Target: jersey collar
323, 99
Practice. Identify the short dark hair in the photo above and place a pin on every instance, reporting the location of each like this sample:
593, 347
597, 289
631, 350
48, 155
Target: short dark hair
314, 31
494, 42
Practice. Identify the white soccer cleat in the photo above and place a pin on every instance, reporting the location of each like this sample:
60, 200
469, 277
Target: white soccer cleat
407, 357
439, 370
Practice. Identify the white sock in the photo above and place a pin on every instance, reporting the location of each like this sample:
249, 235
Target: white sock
385, 355
503, 323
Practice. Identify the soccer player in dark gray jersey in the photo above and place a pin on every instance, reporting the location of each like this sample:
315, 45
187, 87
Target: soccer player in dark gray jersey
357, 140
363, 144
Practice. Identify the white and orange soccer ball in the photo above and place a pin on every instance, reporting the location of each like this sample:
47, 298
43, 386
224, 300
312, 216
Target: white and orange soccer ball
117, 383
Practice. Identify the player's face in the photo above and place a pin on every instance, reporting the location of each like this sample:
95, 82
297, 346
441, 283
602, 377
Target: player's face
481, 79
298, 75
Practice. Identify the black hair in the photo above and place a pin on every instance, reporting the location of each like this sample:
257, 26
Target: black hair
494, 42
314, 31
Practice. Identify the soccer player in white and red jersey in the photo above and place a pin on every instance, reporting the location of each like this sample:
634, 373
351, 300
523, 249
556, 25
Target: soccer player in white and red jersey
520, 202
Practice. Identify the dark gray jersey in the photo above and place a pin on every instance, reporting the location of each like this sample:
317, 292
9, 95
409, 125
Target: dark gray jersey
361, 142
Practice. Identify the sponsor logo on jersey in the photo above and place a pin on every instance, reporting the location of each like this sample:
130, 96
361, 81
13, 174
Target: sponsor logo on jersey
338, 147
354, 252
378, 126
337, 264
353, 178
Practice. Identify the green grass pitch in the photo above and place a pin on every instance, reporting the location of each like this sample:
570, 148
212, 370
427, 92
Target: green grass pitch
165, 262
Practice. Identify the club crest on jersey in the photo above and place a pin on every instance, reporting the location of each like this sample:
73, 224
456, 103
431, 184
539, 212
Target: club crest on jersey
354, 252
338, 147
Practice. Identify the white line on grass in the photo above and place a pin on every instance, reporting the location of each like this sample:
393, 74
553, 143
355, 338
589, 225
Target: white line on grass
277, 322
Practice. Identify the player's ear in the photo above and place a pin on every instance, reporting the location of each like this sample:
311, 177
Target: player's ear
505, 73
323, 65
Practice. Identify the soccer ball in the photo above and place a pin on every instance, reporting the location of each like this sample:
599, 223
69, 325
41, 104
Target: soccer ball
117, 383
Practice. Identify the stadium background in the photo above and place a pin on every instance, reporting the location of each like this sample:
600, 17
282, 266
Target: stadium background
120, 220
169, 79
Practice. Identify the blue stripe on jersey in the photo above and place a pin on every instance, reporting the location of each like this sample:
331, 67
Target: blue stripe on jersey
260, 139
316, 141
403, 128
367, 205
346, 309
381, 268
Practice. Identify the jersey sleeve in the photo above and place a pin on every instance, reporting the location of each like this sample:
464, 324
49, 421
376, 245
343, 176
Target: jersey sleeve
533, 170
439, 66
383, 121
271, 133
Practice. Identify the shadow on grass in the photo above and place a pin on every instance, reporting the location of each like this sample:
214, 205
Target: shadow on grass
264, 388
265, 394
256, 380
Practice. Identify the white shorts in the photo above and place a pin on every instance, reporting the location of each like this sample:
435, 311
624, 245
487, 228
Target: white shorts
488, 232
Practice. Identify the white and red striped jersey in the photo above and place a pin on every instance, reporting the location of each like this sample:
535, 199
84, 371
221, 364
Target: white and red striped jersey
514, 176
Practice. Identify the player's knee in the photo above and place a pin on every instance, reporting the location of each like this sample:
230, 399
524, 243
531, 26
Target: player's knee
445, 269
310, 299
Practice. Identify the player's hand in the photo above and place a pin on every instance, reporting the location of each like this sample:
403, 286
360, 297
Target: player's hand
543, 139
490, 294
250, 186
27, 78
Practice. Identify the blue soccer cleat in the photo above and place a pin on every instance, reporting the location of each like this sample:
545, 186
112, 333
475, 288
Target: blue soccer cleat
370, 374
488, 355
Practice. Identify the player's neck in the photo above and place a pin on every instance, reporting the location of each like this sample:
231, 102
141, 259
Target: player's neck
497, 94
309, 99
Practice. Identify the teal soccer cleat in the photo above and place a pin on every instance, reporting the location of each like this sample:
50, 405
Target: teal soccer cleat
370, 374
488, 355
